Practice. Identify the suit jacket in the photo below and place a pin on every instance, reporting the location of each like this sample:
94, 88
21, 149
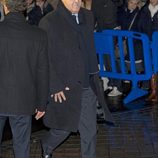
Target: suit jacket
72, 56
23, 66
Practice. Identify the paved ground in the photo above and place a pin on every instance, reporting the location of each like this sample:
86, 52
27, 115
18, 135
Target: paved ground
134, 136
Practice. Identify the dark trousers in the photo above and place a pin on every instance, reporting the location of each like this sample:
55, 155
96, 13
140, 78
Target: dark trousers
21, 131
87, 129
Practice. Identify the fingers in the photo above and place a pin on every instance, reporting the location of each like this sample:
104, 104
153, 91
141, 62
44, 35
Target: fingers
59, 97
39, 114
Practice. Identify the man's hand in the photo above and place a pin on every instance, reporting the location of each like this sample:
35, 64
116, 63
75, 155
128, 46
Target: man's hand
39, 114
60, 96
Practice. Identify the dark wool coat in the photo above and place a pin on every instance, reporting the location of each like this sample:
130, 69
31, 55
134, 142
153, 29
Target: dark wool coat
35, 14
125, 18
105, 14
67, 63
146, 23
23, 66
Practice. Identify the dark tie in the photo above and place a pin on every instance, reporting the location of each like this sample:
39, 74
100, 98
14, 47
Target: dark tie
75, 17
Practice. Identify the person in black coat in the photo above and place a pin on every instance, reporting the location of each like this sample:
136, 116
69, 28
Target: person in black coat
127, 17
36, 10
105, 17
148, 18
105, 14
127, 14
73, 69
24, 75
148, 23
44, 6
33, 13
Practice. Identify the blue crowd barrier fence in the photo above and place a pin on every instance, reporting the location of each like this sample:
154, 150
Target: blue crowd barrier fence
154, 48
105, 43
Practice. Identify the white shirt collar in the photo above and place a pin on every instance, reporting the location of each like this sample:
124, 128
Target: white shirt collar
153, 9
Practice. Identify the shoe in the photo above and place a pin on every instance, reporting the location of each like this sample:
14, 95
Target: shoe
155, 99
150, 97
114, 92
44, 155
153, 96
47, 156
126, 81
136, 61
108, 90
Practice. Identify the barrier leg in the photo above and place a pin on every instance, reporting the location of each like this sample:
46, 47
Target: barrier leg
135, 93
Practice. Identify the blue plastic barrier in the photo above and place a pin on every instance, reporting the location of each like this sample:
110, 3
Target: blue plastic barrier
154, 48
105, 44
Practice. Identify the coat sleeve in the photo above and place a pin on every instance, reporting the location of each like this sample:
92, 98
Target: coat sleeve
140, 20
1, 13
93, 9
55, 82
42, 74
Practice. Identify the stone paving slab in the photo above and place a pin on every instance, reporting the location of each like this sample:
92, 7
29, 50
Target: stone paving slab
134, 136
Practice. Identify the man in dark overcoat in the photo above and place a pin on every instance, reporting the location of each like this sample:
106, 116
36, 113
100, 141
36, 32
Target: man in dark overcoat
23, 75
73, 65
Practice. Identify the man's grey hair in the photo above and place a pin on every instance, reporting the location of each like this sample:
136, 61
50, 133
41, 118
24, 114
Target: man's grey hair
15, 5
134, 0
